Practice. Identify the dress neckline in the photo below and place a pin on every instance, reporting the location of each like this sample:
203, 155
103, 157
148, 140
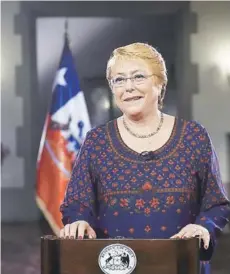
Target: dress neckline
124, 151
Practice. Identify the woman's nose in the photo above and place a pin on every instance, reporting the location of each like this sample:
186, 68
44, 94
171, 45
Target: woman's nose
129, 85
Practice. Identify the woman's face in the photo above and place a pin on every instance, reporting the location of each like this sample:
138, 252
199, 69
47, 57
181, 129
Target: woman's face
138, 95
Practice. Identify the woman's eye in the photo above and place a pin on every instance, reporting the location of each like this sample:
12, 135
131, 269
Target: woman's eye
139, 76
119, 79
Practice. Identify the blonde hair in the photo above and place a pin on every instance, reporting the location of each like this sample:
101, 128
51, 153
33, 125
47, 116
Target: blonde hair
147, 53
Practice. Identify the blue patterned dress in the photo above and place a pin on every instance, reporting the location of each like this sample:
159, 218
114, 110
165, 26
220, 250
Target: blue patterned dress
120, 193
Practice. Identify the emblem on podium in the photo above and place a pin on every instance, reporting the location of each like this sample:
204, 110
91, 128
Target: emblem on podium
117, 259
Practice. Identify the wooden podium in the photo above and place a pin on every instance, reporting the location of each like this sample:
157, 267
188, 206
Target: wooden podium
119, 256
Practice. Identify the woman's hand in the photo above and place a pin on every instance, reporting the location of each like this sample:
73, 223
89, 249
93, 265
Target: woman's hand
193, 230
81, 227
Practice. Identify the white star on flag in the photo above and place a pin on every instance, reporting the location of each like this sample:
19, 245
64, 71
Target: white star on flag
59, 78
71, 146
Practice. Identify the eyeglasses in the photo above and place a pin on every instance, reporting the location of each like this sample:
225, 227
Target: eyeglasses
138, 79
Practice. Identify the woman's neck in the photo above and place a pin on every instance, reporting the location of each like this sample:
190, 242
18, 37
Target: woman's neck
143, 123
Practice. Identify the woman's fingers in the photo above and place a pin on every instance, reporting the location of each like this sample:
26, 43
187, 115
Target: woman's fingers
91, 233
73, 230
62, 233
206, 239
176, 236
202, 233
80, 228
86, 229
191, 231
179, 234
66, 231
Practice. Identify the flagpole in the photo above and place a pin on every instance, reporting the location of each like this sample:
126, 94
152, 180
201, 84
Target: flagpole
66, 34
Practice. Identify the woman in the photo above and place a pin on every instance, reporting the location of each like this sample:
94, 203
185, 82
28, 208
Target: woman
146, 174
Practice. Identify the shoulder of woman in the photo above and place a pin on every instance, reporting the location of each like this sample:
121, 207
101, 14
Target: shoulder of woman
198, 131
195, 126
98, 132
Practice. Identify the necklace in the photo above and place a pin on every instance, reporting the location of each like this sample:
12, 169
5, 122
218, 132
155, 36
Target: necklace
146, 135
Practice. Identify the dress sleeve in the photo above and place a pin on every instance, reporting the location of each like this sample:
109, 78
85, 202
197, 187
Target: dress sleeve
214, 205
79, 200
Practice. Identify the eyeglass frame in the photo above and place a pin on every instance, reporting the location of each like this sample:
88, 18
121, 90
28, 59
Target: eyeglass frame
132, 79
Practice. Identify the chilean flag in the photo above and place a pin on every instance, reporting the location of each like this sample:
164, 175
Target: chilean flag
65, 128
